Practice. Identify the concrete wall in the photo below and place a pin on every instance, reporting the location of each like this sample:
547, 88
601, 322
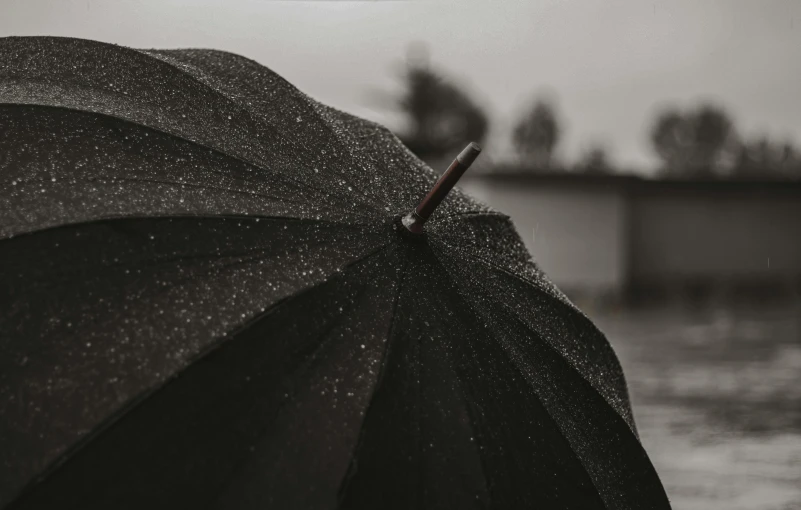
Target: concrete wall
714, 235
611, 234
575, 233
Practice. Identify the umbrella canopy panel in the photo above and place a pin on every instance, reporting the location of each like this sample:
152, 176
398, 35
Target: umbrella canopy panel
208, 301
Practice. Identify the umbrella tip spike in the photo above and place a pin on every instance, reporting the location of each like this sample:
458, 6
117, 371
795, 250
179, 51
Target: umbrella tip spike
415, 219
469, 154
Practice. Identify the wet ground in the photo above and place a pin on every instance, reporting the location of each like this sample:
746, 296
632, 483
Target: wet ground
717, 399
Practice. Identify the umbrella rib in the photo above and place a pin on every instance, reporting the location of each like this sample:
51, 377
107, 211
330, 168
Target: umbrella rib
218, 269
142, 397
351, 471
474, 214
199, 217
243, 257
511, 359
471, 421
309, 101
535, 285
305, 365
314, 106
190, 185
243, 261
288, 176
618, 420
185, 184
169, 60
570, 308
418, 369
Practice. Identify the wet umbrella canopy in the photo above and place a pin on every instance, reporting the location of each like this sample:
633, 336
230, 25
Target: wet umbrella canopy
208, 301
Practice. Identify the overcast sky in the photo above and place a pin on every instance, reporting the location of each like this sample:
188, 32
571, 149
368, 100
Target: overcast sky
610, 64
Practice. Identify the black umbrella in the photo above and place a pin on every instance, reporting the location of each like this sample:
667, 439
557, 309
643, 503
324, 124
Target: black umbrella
209, 301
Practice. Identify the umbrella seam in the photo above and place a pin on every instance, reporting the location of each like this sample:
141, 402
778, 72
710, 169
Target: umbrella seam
307, 363
225, 153
309, 100
206, 272
580, 315
474, 214
505, 347
244, 257
203, 217
141, 398
312, 102
521, 372
169, 60
339, 137
351, 471
559, 296
192, 185
622, 423
471, 422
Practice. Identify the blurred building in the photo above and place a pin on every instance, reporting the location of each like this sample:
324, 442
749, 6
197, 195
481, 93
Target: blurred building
617, 236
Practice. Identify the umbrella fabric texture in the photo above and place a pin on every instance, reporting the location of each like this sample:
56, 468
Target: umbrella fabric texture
208, 302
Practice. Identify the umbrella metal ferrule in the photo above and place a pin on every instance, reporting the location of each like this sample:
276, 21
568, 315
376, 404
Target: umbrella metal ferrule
415, 220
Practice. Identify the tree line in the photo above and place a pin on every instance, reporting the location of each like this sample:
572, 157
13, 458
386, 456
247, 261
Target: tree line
699, 142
